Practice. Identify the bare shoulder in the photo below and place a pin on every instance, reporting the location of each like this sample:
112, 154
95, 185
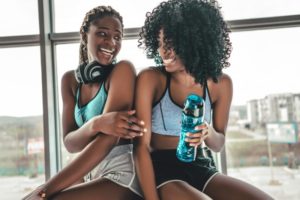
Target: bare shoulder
222, 87
151, 82
151, 74
68, 81
69, 76
225, 80
123, 72
124, 66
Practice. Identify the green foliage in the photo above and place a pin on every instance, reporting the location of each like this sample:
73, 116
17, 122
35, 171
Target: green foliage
14, 135
243, 150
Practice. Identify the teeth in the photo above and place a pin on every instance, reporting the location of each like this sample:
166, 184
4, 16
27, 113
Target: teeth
168, 61
107, 50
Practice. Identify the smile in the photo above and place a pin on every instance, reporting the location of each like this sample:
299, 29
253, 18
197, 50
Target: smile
107, 51
168, 61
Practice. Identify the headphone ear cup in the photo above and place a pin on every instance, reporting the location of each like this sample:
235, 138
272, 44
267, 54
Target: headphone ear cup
92, 72
79, 75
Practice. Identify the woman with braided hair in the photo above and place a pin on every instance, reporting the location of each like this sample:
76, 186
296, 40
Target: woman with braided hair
97, 119
190, 43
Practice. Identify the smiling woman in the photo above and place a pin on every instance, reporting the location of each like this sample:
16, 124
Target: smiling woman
97, 119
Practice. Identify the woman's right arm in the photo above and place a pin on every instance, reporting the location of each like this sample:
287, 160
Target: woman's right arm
75, 138
144, 96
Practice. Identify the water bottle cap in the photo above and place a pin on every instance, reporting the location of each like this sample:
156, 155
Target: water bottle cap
194, 106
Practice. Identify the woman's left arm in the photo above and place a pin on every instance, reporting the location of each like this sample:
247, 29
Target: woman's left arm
222, 97
214, 134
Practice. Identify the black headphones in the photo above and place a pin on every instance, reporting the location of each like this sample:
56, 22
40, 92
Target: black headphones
92, 72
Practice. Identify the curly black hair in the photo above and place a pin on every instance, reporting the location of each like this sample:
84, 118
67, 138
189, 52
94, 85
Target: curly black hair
197, 32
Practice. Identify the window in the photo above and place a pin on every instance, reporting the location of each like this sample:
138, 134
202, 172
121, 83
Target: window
22, 18
235, 9
265, 92
132, 11
21, 121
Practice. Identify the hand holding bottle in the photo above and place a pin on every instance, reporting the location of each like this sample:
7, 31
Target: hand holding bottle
196, 139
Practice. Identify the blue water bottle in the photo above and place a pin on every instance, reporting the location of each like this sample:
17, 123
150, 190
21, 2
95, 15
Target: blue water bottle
192, 115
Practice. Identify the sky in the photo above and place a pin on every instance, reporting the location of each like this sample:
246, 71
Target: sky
262, 62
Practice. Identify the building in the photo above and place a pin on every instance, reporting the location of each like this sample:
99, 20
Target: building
283, 107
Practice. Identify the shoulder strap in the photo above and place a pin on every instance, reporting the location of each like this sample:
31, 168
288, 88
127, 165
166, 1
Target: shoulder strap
204, 89
168, 78
77, 95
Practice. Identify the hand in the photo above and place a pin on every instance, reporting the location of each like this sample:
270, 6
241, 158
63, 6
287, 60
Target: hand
197, 138
121, 124
35, 194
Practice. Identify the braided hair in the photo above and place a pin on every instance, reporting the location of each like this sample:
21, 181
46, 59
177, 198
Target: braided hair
92, 15
195, 30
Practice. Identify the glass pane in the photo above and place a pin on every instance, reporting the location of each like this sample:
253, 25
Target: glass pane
237, 9
68, 58
26, 22
131, 52
70, 13
265, 67
21, 122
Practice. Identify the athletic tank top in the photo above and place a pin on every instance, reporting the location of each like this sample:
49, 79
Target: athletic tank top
83, 113
166, 114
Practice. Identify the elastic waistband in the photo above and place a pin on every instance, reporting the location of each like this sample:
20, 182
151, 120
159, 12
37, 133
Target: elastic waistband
166, 155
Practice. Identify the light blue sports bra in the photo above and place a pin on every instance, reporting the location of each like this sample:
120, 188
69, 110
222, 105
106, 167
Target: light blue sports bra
93, 108
166, 114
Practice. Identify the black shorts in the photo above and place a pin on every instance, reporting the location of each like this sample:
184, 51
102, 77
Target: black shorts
168, 168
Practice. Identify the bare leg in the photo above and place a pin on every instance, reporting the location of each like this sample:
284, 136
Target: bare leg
100, 189
224, 187
179, 190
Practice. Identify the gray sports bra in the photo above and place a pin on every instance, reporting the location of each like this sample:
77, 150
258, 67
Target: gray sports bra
166, 114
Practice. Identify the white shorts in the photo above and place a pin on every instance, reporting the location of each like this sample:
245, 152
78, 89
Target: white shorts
118, 166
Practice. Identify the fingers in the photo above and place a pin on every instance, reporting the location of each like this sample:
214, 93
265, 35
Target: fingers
133, 129
197, 138
133, 126
194, 139
131, 112
130, 118
130, 126
202, 127
133, 123
128, 133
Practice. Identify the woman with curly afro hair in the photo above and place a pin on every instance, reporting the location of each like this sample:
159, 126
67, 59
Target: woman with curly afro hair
189, 41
